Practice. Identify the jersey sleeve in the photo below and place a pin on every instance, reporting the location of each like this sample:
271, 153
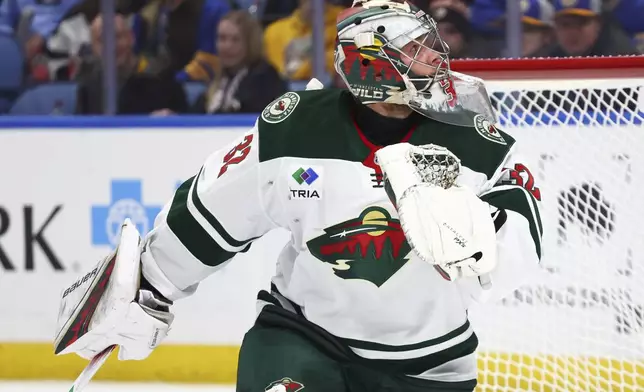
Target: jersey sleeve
212, 216
516, 197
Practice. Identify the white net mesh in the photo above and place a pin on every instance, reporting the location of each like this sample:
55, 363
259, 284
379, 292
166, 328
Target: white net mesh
580, 326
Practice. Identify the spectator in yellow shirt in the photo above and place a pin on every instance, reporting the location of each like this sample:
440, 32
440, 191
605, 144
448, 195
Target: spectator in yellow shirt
288, 44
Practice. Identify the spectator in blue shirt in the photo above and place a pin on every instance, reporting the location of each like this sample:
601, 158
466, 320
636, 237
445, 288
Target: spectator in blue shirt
630, 15
47, 14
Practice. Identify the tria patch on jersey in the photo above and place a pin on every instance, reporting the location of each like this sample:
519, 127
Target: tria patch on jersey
281, 108
486, 129
305, 182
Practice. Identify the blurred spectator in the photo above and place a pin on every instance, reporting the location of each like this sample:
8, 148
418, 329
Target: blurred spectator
246, 83
32, 22
174, 33
452, 18
487, 19
138, 92
581, 31
183, 32
71, 40
43, 18
91, 9
462, 6
288, 41
638, 41
277, 9
630, 15
538, 34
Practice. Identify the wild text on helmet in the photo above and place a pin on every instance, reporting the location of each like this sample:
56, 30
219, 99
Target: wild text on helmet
367, 93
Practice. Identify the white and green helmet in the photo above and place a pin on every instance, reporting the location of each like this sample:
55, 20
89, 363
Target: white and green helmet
392, 52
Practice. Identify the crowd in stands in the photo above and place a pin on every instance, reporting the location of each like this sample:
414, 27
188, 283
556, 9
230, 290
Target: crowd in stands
236, 56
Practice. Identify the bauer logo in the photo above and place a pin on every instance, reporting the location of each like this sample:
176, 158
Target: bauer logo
126, 201
305, 183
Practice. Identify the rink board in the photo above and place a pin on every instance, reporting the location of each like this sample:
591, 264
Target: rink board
218, 365
74, 181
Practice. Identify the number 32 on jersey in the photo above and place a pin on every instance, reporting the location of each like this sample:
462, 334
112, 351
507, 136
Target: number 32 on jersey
237, 154
521, 176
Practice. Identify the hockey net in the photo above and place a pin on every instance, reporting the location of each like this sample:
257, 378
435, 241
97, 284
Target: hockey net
579, 326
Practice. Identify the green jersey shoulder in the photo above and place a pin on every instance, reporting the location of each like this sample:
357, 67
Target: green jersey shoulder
307, 124
319, 124
482, 146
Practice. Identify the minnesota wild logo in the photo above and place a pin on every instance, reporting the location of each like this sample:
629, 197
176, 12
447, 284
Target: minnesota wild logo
281, 108
284, 385
371, 247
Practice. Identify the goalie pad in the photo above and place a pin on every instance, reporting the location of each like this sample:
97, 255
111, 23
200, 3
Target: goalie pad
105, 307
446, 224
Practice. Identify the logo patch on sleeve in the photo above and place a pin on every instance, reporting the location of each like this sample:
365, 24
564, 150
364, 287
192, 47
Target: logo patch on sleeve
486, 129
284, 385
306, 182
281, 108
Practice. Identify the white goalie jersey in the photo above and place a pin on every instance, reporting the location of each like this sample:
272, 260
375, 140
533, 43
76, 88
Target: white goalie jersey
348, 267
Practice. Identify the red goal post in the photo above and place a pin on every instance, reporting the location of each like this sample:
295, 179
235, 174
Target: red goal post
552, 68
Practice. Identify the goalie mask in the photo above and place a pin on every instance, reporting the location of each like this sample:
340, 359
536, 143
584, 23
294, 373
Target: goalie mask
392, 52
